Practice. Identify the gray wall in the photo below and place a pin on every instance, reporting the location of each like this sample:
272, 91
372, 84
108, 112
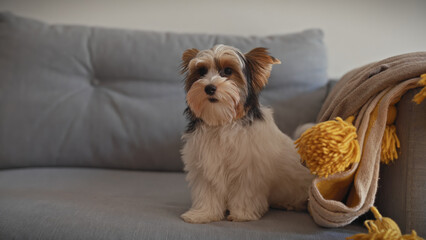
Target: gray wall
356, 32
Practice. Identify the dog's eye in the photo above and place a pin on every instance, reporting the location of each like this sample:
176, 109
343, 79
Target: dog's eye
202, 71
227, 71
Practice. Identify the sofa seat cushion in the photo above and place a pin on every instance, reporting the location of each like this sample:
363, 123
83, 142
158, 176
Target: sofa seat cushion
73, 203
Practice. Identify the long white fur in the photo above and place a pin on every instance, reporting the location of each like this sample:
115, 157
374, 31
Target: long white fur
244, 169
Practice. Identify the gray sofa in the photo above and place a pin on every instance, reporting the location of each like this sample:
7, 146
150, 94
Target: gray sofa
90, 126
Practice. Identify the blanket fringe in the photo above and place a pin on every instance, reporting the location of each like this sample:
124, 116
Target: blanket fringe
390, 144
383, 228
390, 141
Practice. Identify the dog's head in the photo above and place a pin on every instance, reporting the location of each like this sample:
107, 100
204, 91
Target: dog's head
222, 84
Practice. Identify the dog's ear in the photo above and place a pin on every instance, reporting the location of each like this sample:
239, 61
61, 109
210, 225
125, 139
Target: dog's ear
260, 65
187, 56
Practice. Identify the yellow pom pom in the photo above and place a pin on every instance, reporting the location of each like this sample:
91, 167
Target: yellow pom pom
329, 147
381, 223
383, 228
419, 97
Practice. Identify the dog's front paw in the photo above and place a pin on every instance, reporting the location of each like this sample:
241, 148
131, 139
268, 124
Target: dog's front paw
200, 216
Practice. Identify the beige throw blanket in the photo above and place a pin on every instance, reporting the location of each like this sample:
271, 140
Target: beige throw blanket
365, 93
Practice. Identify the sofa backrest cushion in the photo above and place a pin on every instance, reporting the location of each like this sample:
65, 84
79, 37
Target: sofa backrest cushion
95, 97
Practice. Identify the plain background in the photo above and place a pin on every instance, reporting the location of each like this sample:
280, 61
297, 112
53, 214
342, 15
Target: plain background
356, 32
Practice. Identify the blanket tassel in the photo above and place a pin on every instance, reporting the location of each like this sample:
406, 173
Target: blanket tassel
390, 141
329, 147
419, 97
383, 228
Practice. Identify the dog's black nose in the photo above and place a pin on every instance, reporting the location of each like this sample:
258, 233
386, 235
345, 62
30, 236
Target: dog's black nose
210, 89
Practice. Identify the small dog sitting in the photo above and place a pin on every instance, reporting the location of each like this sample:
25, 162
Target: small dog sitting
236, 158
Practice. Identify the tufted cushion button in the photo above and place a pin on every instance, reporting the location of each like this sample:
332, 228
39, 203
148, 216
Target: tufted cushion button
94, 82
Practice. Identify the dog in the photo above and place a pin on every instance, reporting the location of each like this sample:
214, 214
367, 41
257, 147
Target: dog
238, 162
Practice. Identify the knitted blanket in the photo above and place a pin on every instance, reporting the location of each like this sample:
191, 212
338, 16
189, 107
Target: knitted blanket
367, 94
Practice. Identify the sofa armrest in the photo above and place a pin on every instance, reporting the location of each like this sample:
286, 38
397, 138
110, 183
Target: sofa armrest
402, 185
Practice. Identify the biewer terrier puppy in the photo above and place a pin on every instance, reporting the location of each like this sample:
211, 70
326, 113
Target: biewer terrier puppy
236, 158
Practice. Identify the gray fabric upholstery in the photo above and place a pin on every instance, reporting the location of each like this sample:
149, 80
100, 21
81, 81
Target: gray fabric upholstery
71, 203
402, 191
96, 97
